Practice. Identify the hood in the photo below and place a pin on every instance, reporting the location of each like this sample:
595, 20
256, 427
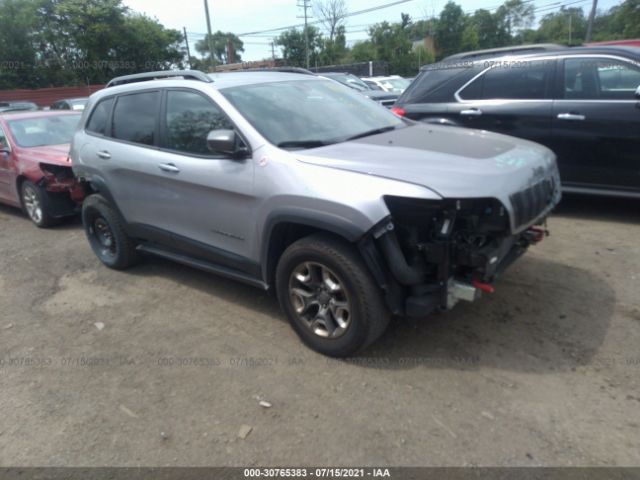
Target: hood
453, 162
53, 154
380, 95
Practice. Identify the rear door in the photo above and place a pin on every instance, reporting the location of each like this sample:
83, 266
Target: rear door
596, 122
513, 97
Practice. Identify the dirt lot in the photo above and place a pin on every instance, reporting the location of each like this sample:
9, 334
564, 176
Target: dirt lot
163, 365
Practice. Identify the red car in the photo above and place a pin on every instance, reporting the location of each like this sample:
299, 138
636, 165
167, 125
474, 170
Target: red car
35, 170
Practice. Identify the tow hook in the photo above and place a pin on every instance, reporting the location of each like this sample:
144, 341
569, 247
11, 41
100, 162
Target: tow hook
536, 234
484, 287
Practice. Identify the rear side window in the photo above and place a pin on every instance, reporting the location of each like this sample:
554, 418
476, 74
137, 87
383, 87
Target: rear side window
600, 79
524, 80
436, 83
99, 117
135, 116
189, 119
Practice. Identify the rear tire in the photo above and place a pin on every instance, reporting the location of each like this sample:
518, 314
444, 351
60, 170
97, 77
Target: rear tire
329, 296
35, 204
106, 234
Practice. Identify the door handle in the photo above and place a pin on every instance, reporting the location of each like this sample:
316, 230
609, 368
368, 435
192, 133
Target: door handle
104, 154
571, 116
169, 167
472, 112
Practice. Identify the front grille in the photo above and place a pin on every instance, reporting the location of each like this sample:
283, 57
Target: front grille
530, 203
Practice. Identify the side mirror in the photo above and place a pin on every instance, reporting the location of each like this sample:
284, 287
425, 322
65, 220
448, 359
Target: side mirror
4, 148
226, 142
638, 92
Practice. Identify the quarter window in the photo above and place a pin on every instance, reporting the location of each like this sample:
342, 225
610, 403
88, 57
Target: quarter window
134, 117
600, 79
524, 80
189, 119
99, 117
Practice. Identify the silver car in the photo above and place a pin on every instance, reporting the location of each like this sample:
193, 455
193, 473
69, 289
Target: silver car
295, 183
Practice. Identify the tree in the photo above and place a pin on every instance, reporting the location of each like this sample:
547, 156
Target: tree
567, 26
392, 43
331, 14
220, 40
489, 29
67, 42
362, 52
334, 51
292, 43
18, 21
450, 29
627, 15
517, 15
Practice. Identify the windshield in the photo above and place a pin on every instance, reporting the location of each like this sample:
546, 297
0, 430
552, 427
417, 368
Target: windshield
41, 131
351, 81
396, 84
312, 112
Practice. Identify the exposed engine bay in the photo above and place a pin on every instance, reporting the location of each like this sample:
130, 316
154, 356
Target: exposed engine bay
439, 252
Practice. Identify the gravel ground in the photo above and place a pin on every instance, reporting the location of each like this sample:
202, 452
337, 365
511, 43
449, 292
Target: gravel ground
165, 365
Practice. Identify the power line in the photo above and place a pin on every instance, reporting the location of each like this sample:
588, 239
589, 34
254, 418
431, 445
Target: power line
351, 14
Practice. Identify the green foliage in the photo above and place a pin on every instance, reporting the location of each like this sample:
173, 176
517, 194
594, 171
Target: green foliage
567, 26
293, 46
220, 40
450, 29
66, 42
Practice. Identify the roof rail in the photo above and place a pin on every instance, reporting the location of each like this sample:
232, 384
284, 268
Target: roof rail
143, 77
516, 49
300, 70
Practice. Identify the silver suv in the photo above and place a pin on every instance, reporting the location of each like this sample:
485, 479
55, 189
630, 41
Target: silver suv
297, 184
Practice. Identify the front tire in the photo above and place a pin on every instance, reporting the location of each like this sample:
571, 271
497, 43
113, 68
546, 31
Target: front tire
34, 202
328, 295
106, 234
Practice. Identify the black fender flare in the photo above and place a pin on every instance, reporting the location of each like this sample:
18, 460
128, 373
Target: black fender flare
99, 185
309, 218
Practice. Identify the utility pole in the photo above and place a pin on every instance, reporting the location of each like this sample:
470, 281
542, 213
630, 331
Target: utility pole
206, 12
305, 5
592, 16
570, 17
273, 50
186, 40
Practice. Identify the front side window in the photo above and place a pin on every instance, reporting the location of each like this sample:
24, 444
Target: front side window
189, 119
600, 79
134, 117
517, 80
100, 116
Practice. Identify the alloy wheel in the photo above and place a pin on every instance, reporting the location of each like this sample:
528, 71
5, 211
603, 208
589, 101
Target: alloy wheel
32, 204
320, 300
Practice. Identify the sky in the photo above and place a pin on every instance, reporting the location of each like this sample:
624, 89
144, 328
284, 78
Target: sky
244, 16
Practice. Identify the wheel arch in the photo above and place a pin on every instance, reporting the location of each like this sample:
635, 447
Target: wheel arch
284, 228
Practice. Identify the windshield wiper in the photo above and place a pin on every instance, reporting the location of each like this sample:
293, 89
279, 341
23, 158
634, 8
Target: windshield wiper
302, 144
368, 133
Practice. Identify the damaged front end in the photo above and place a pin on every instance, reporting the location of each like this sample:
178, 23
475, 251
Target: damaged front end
64, 192
430, 254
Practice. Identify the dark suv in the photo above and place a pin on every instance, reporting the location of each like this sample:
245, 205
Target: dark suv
583, 103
